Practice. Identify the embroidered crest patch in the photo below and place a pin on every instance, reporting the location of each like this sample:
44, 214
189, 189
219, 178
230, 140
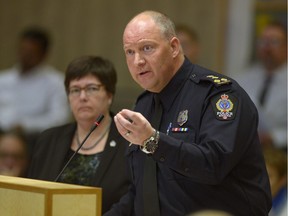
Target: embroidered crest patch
225, 107
182, 117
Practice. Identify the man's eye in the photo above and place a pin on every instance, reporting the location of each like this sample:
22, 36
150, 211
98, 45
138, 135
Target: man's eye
147, 48
129, 52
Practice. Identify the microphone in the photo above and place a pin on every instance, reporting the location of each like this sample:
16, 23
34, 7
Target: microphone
95, 125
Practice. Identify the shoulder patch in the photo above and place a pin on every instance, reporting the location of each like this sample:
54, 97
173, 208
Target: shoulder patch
217, 80
224, 106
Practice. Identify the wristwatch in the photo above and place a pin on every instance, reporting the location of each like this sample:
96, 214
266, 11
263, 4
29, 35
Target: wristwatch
151, 144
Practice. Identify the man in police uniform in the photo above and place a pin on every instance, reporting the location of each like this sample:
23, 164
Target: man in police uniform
206, 149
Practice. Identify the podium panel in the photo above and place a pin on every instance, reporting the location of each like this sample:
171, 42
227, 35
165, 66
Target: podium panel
29, 197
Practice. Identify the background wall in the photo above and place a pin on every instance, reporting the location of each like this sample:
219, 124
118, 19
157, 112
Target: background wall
226, 30
96, 27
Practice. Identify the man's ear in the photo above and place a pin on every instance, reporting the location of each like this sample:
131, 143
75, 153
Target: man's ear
175, 46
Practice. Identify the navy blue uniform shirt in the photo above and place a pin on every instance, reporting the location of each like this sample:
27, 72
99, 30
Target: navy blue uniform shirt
209, 156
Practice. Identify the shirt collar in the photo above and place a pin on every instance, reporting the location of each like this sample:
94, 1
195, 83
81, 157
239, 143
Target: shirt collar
169, 93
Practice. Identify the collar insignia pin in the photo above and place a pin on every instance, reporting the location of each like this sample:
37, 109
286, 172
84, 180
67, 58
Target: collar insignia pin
112, 143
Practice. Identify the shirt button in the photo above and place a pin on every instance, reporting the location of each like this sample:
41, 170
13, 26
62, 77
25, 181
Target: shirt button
162, 159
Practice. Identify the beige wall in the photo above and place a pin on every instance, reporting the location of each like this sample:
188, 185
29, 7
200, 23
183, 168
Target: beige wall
95, 27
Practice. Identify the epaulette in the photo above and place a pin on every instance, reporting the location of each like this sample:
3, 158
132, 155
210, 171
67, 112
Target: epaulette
216, 80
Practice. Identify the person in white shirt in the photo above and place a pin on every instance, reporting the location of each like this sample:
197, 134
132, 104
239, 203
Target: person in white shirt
266, 84
32, 96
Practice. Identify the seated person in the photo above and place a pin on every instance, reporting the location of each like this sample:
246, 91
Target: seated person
266, 83
13, 154
90, 86
276, 163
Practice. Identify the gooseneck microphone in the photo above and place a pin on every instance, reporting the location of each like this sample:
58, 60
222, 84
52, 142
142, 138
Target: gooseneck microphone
95, 125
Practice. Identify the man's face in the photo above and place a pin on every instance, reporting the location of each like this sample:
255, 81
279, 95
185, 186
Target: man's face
272, 48
30, 54
190, 46
149, 55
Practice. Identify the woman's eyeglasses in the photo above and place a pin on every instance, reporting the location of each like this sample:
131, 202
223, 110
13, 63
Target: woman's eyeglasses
89, 90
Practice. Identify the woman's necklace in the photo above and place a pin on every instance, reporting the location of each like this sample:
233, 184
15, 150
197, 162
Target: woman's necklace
91, 147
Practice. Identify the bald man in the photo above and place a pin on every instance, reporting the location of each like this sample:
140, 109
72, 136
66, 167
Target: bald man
202, 154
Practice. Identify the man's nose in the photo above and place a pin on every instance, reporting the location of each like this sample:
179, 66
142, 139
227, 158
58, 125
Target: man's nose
139, 60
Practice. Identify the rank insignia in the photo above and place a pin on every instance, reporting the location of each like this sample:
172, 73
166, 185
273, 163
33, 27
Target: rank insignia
218, 80
182, 117
224, 107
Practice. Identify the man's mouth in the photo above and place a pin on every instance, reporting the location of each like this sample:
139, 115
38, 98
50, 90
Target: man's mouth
143, 73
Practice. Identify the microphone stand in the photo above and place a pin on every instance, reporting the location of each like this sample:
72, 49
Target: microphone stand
96, 124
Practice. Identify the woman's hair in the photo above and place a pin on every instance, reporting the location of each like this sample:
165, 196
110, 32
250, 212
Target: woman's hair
97, 66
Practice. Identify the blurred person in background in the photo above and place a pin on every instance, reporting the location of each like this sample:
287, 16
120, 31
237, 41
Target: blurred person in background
210, 213
276, 163
32, 97
266, 84
13, 154
189, 41
90, 84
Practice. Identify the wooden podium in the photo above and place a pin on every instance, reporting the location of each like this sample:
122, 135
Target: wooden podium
28, 197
